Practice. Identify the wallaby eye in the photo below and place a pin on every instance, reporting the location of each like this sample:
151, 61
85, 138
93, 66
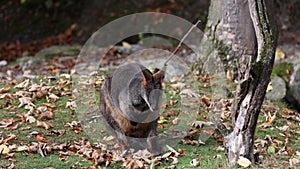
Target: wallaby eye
140, 104
138, 101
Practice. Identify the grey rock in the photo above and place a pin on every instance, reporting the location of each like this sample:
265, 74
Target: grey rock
174, 68
293, 94
27, 63
278, 89
152, 41
133, 48
155, 58
64, 50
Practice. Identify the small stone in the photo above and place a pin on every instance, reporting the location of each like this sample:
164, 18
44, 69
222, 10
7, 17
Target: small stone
278, 90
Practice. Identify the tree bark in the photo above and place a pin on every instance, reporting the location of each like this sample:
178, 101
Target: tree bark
244, 34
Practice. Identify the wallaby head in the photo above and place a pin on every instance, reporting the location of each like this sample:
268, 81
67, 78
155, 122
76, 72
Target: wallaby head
136, 91
142, 89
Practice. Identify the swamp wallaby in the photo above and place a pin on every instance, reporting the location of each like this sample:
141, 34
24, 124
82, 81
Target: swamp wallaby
130, 101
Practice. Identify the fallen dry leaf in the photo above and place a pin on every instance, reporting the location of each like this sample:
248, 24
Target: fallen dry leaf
4, 89
294, 161
34, 87
182, 152
143, 154
30, 119
71, 104
8, 138
191, 142
208, 130
244, 162
62, 157
39, 94
42, 109
189, 93
269, 119
9, 166
45, 125
48, 115
167, 155
279, 54
26, 101
108, 138
173, 151
178, 85
42, 149
23, 84
176, 121
195, 162
32, 147
230, 74
21, 148
73, 124
98, 159
133, 163
220, 148
50, 105
22, 94
33, 133
218, 156
206, 100
76, 130
40, 138
171, 167
277, 141
161, 120
175, 160
263, 143
58, 132
200, 123
6, 96
53, 97
8, 124
283, 128
4, 149
126, 45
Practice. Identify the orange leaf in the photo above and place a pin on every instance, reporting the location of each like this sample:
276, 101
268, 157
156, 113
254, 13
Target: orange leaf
4, 89
47, 115
40, 138
45, 125
57, 132
76, 130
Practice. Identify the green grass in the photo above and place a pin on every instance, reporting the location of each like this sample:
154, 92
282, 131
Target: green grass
207, 154
35, 161
283, 70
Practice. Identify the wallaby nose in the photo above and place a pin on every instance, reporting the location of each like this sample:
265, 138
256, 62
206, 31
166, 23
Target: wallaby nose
144, 96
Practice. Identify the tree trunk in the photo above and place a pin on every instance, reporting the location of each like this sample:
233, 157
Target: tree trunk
244, 34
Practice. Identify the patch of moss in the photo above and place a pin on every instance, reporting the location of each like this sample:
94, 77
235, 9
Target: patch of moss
283, 70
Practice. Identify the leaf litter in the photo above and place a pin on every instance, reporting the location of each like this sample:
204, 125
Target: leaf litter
33, 104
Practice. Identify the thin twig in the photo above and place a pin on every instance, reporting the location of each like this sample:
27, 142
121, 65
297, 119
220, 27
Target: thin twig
180, 43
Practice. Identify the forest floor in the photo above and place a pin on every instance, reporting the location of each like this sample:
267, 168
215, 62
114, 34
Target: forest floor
41, 128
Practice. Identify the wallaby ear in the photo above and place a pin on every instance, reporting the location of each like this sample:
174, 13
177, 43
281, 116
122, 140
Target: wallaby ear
159, 74
147, 77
